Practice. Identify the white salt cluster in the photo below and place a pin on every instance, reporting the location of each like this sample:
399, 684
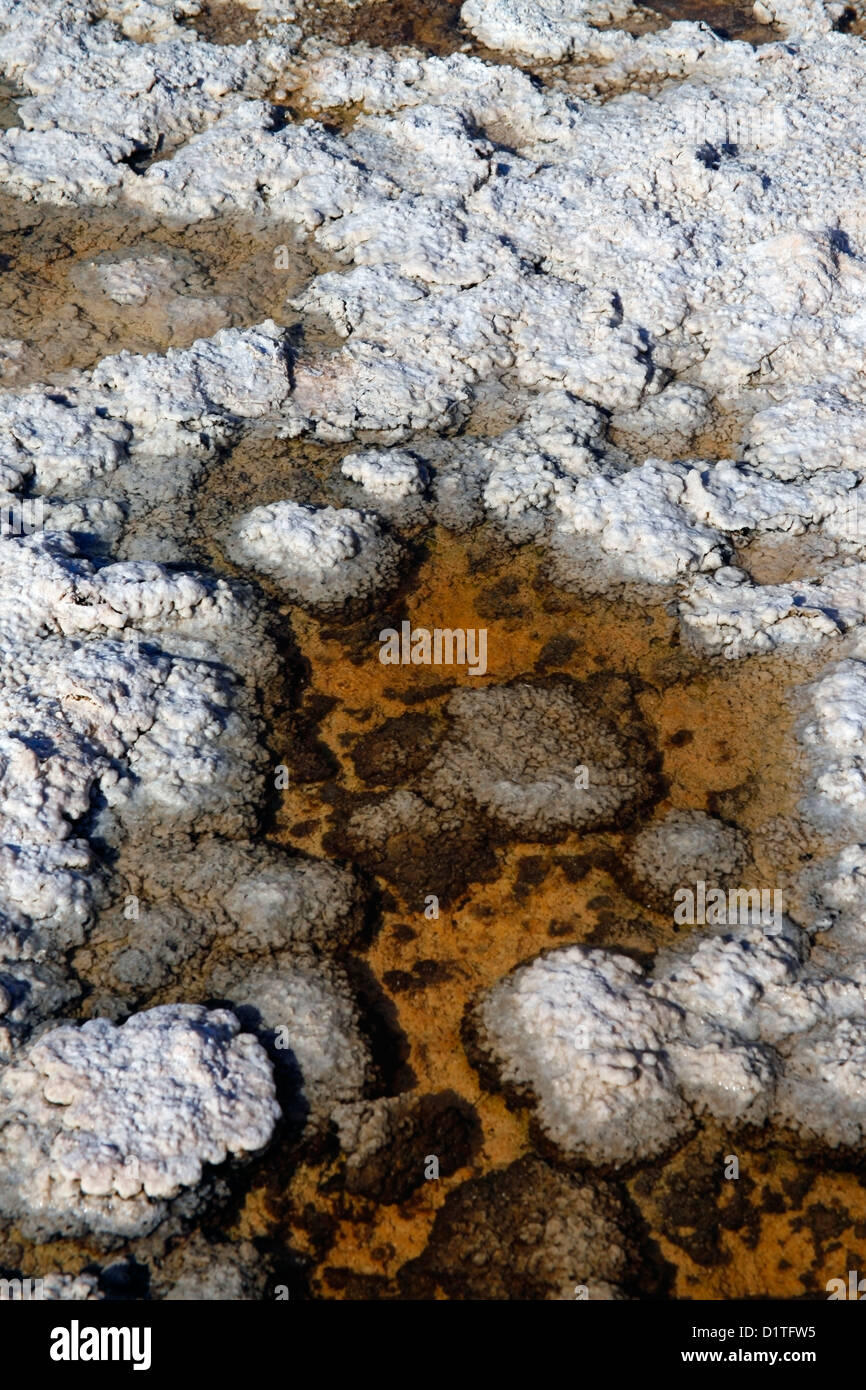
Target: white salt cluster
100, 1126
729, 615
97, 98
308, 1018
682, 848
621, 1064
181, 403
547, 29
391, 476
833, 732
324, 556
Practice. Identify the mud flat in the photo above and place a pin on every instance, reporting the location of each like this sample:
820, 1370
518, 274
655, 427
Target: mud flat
432, 649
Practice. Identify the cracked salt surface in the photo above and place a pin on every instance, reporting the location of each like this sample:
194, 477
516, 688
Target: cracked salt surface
582, 242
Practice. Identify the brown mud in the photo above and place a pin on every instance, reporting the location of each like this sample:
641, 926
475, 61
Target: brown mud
65, 304
435, 27
723, 735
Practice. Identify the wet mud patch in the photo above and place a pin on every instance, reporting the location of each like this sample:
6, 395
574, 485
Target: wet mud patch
730, 21
77, 285
781, 559
715, 736
9, 99
433, 26
225, 22
781, 1228
436, 27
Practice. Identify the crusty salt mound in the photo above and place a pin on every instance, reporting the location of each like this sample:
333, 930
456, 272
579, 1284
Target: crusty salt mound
685, 848
324, 557
102, 1126
758, 1024
391, 476
531, 1232
308, 1020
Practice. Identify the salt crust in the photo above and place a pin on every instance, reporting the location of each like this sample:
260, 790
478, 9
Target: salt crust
531, 761
122, 717
307, 1016
100, 1126
754, 1025
490, 231
323, 556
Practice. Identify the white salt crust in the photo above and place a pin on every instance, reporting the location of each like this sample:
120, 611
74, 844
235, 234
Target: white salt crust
657, 247
101, 1126
323, 556
390, 476
307, 1016
682, 848
440, 229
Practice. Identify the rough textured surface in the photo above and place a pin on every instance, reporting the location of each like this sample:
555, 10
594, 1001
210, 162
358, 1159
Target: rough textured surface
324, 558
390, 1142
684, 848
568, 287
528, 1232
102, 1126
521, 761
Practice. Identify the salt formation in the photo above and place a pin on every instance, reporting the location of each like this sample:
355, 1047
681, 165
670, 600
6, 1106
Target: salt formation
681, 849
102, 1126
516, 761
324, 557
756, 1023
550, 29
307, 1016
604, 295
392, 476
532, 1229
